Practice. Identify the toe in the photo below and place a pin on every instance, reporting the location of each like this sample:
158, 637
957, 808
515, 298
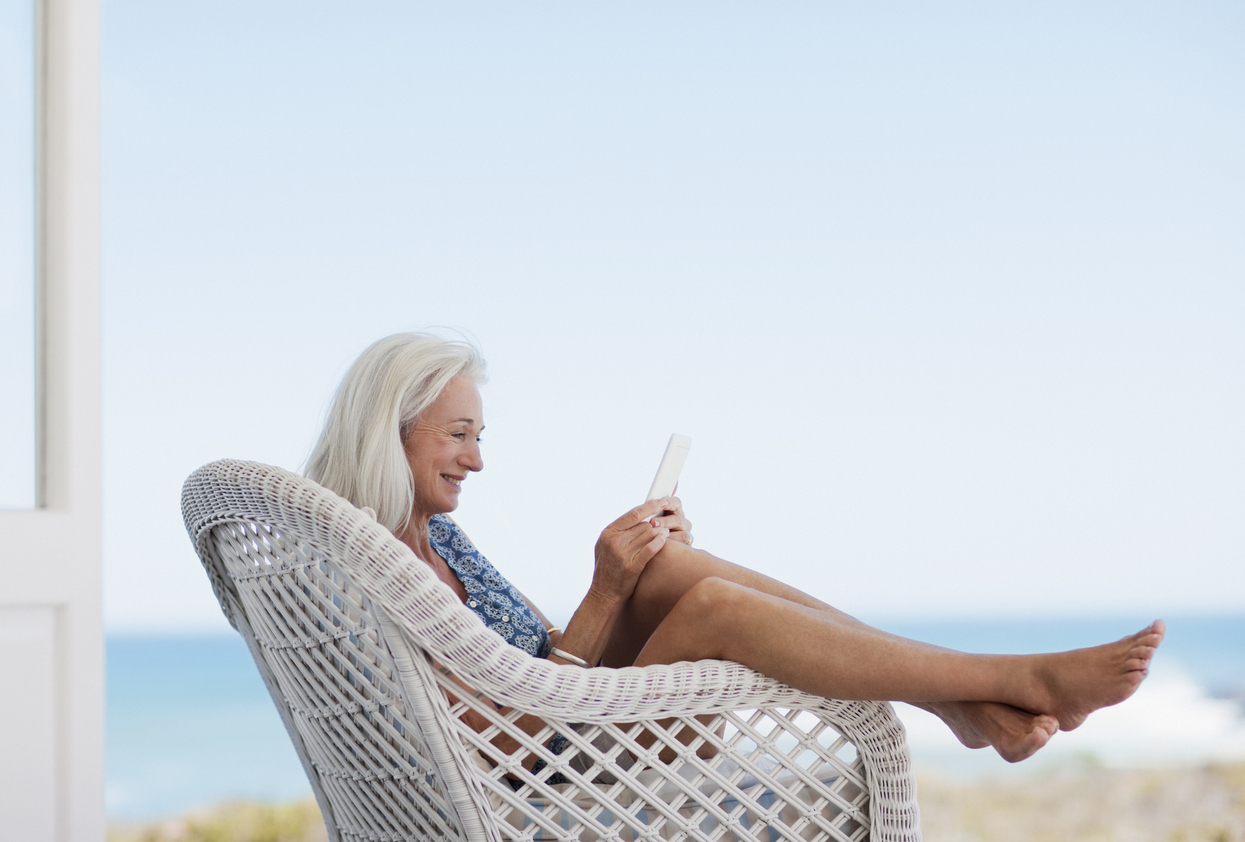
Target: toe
1153, 634
1046, 723
1038, 737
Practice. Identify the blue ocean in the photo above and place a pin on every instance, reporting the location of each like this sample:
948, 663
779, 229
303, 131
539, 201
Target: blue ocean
190, 724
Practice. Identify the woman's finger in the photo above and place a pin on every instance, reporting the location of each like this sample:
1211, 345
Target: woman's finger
633, 522
683, 537
642, 512
653, 547
627, 545
638, 539
672, 517
674, 523
623, 544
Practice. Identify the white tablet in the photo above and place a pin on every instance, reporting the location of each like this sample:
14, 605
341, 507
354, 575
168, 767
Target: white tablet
671, 465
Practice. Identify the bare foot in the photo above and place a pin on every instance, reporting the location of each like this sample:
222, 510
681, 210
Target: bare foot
1015, 734
1072, 685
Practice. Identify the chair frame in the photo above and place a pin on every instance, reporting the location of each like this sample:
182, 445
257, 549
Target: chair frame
372, 663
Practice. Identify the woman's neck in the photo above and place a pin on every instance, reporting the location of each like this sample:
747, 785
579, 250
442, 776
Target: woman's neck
415, 536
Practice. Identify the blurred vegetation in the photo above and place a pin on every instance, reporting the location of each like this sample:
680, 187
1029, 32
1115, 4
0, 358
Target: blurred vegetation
1081, 802
240, 821
1084, 802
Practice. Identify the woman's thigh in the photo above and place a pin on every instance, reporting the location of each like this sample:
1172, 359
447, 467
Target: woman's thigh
665, 580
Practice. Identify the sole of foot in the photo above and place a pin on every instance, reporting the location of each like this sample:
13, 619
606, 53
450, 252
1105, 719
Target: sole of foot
1014, 733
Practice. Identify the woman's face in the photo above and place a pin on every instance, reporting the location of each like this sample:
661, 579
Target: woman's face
444, 446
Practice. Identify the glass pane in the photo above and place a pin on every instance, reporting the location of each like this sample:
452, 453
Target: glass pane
17, 254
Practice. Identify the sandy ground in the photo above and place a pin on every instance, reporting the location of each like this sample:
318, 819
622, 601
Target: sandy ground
1204, 804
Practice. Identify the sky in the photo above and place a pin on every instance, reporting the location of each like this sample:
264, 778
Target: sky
951, 301
17, 299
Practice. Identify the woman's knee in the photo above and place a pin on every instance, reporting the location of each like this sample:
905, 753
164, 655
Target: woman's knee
666, 578
675, 570
711, 599
678, 598
700, 625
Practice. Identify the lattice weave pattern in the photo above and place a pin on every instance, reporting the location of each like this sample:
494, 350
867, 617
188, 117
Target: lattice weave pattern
374, 664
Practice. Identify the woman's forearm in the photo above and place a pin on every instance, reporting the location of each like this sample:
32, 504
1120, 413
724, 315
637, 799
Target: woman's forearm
589, 630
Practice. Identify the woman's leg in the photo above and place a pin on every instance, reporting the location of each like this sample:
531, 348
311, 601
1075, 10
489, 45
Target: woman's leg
678, 567
1015, 733
665, 580
816, 652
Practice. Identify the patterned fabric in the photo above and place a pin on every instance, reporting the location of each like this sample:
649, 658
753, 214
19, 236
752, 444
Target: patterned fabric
494, 600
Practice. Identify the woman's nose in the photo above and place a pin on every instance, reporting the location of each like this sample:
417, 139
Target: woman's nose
474, 460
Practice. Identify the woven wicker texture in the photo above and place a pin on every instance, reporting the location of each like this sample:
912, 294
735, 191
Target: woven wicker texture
368, 657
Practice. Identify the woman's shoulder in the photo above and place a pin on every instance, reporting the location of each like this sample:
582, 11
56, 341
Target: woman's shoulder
452, 542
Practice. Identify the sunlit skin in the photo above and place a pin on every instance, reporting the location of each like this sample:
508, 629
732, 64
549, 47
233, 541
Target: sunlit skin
443, 450
655, 599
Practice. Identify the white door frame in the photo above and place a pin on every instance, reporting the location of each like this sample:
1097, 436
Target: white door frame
51, 617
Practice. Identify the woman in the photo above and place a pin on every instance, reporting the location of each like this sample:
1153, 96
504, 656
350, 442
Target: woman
403, 435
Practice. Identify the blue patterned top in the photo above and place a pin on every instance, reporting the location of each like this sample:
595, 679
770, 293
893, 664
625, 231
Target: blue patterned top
489, 595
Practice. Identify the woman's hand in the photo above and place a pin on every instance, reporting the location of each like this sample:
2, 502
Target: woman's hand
626, 546
672, 518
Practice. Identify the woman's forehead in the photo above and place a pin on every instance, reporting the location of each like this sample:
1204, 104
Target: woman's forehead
458, 401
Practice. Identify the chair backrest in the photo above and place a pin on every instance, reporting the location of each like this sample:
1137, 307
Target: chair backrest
361, 647
325, 654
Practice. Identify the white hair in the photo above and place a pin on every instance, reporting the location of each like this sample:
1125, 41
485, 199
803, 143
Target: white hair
360, 454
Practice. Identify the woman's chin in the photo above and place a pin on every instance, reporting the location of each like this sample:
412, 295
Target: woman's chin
430, 508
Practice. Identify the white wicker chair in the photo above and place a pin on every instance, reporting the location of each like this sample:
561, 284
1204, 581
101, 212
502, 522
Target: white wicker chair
360, 645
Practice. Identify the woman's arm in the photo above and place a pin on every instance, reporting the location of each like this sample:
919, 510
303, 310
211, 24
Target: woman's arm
622, 551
